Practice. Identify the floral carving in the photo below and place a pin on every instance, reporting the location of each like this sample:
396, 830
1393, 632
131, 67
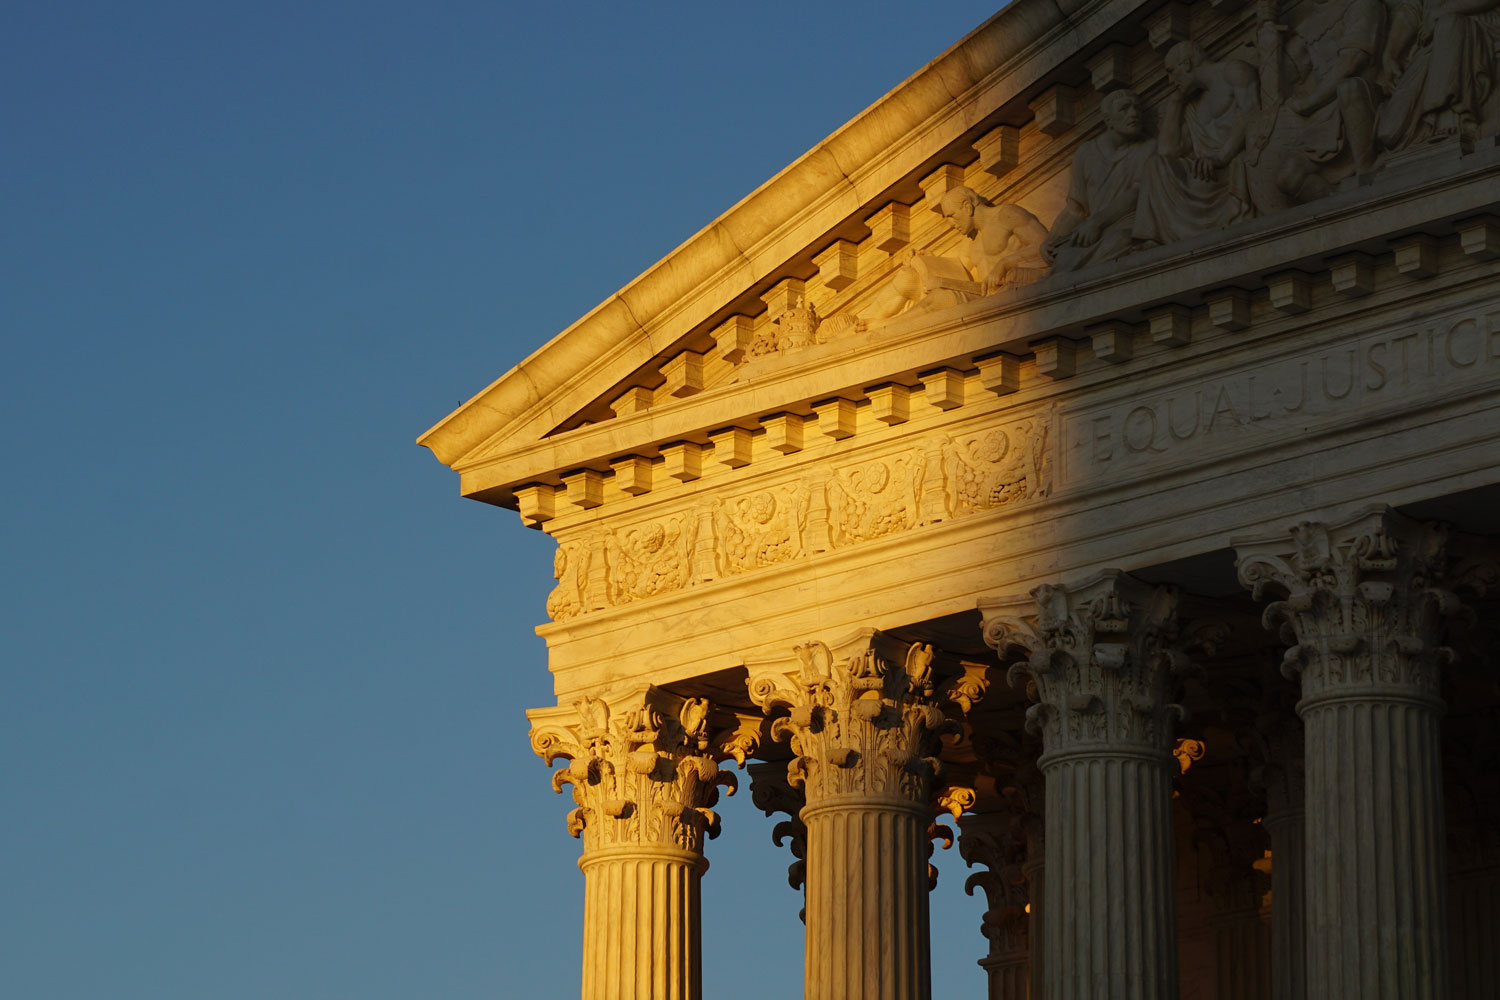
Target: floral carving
643, 773
859, 722
996, 467
1364, 602
875, 499
651, 558
1103, 659
760, 529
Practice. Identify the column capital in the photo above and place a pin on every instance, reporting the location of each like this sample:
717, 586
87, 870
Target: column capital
860, 717
1361, 602
644, 768
1103, 659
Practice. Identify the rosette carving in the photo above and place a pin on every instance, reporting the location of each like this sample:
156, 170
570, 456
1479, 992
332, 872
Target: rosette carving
859, 721
1362, 603
644, 772
1103, 660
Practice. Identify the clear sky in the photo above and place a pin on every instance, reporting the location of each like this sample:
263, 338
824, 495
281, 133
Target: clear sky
262, 670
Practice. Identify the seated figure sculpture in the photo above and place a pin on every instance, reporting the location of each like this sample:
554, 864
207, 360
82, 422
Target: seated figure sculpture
1197, 184
1440, 65
1319, 124
1001, 248
1097, 223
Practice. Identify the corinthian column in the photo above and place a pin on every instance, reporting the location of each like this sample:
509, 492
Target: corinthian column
864, 731
1364, 608
645, 776
1103, 660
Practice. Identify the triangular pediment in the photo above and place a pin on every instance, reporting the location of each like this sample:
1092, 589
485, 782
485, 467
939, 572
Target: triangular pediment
857, 267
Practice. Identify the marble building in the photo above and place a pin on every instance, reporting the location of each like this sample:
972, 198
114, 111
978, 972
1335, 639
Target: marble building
1089, 453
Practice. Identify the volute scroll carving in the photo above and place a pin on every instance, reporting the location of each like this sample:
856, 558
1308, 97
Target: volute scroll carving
644, 772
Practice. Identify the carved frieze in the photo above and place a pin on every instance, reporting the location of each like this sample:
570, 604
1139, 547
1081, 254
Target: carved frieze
996, 467
760, 529
570, 567
876, 498
651, 558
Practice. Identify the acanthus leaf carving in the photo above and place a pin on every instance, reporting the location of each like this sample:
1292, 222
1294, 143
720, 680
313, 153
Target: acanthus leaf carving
859, 721
1362, 603
1104, 661
644, 771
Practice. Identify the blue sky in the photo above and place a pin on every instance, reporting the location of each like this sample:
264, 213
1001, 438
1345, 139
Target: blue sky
262, 670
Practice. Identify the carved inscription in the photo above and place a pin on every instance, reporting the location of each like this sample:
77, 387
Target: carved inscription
1371, 373
875, 499
760, 529
996, 467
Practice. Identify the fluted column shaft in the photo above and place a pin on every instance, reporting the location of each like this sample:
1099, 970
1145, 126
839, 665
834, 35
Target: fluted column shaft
641, 924
1365, 602
1110, 914
1287, 830
1376, 920
1036, 881
867, 922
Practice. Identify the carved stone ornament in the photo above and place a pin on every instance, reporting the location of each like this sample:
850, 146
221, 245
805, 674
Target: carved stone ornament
1364, 601
998, 842
861, 721
1104, 660
651, 558
996, 467
875, 499
644, 771
760, 529
772, 793
570, 567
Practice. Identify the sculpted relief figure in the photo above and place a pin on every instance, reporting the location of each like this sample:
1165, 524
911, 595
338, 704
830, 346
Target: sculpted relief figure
1440, 65
652, 558
1198, 183
1324, 73
875, 499
761, 529
1002, 248
1097, 223
1002, 243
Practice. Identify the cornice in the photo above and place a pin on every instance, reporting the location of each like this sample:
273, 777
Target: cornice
856, 169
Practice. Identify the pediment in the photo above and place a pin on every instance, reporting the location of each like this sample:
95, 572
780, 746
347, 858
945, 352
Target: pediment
853, 269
